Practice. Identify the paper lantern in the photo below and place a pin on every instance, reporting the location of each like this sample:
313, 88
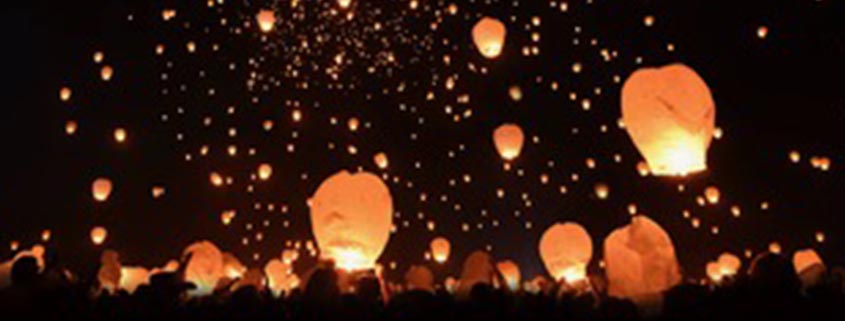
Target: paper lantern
280, 277
670, 115
120, 135
805, 259
508, 139
132, 277
204, 268
98, 235
265, 171
101, 189
419, 278
351, 217
266, 20
109, 274
478, 269
712, 194
640, 262
232, 267
566, 250
726, 266
381, 160
106, 73
440, 249
488, 34
510, 273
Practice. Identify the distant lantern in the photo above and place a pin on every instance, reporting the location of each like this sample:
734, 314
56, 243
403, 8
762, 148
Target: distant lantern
566, 250
440, 249
120, 135
98, 235
101, 189
515, 93
712, 194
65, 93
158, 191
508, 139
353, 124
344, 3
265, 171
215, 179
71, 127
762, 32
510, 273
351, 218
381, 160
489, 37
266, 20
602, 191
640, 262
726, 266
804, 259
106, 73
670, 115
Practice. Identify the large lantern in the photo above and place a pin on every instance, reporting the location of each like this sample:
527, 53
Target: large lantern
101, 189
351, 217
640, 262
488, 34
440, 249
566, 250
508, 139
204, 268
670, 115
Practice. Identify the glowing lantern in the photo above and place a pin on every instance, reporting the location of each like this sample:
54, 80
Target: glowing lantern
109, 274
353, 124
101, 189
762, 32
120, 135
440, 249
726, 266
351, 217
640, 262
232, 267
602, 191
344, 3
419, 278
381, 160
106, 73
712, 195
289, 256
65, 93
805, 259
265, 171
508, 139
489, 37
204, 268
510, 273
71, 127
566, 250
158, 191
215, 179
478, 269
98, 235
515, 92
133, 277
266, 20
280, 278
670, 115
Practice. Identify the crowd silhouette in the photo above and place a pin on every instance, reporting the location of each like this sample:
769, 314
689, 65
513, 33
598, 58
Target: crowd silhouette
770, 290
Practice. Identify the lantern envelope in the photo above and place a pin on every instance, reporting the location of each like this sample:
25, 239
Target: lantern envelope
640, 262
510, 273
204, 268
440, 249
351, 217
566, 250
488, 34
508, 139
670, 115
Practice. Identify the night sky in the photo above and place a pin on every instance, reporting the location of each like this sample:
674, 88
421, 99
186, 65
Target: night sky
773, 95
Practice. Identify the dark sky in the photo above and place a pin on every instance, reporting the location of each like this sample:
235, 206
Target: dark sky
773, 95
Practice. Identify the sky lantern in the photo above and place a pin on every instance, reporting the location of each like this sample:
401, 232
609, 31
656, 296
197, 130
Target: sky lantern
805, 259
351, 217
344, 3
640, 262
381, 160
109, 274
280, 277
712, 194
265, 171
101, 189
762, 32
158, 191
353, 124
98, 235
602, 191
670, 115
120, 135
566, 250
106, 73
508, 139
266, 20
71, 127
216, 179
131, 277
65, 93
510, 273
515, 92
419, 278
232, 266
488, 34
726, 266
477, 269
204, 268
440, 249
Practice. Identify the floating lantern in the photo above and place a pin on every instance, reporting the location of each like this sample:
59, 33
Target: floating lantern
381, 160
640, 262
440, 249
488, 34
351, 217
204, 268
566, 250
508, 139
132, 277
265, 171
266, 20
101, 189
510, 273
98, 235
670, 115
